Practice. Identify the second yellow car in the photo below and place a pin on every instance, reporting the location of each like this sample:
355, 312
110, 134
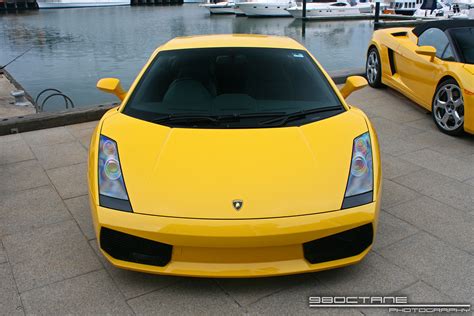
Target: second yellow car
432, 64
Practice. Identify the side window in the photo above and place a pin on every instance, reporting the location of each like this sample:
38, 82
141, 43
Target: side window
448, 54
436, 38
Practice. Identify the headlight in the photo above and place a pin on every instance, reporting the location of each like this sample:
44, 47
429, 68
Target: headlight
360, 184
112, 191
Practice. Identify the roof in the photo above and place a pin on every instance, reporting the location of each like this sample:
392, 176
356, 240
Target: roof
231, 40
443, 25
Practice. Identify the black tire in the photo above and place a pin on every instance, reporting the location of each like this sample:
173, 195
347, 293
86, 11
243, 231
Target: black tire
373, 68
447, 108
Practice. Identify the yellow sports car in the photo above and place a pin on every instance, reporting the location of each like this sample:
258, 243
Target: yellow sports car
234, 156
432, 64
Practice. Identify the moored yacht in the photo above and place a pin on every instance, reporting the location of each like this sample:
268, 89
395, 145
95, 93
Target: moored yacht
59, 4
219, 7
441, 10
330, 9
266, 7
405, 7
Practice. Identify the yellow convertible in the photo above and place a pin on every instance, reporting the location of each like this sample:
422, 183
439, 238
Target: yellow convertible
234, 156
432, 64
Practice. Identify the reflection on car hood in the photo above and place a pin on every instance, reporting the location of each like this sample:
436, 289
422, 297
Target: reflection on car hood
198, 173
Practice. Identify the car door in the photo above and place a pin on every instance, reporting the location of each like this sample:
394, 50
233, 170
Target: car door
420, 73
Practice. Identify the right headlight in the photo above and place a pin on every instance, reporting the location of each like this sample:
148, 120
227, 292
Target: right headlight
360, 185
112, 191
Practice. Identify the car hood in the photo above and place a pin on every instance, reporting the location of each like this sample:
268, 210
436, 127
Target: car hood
198, 173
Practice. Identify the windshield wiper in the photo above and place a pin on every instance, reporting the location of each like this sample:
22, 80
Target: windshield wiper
248, 115
190, 117
184, 117
299, 114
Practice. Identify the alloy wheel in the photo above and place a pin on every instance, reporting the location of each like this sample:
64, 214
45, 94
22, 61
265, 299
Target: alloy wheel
448, 107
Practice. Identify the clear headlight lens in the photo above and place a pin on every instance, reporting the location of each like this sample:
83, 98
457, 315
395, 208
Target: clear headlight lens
361, 180
112, 191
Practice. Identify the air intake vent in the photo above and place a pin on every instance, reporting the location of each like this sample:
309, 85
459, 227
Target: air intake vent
126, 247
398, 34
342, 245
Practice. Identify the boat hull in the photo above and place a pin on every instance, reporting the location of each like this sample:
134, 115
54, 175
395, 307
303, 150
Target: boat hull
405, 11
222, 10
219, 8
80, 4
254, 9
322, 11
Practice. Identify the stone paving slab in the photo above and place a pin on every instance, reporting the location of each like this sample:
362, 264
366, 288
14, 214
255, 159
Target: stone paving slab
91, 294
25, 210
53, 253
10, 303
424, 248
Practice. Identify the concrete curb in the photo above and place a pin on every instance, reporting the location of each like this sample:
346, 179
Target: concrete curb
44, 120
32, 122
340, 76
17, 85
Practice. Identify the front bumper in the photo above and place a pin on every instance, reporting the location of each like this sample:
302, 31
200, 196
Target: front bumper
236, 248
469, 113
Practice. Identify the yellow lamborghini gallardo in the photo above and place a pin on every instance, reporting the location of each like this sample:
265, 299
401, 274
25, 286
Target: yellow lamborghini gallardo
234, 156
432, 64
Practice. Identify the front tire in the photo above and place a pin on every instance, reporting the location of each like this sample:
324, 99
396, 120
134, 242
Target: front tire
448, 108
373, 68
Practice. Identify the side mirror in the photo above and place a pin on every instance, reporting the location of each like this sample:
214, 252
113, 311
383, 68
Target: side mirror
426, 51
353, 83
112, 85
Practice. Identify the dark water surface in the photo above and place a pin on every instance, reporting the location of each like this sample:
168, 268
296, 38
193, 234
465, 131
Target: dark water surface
72, 48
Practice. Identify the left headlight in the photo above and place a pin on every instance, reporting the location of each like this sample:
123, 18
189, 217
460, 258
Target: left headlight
360, 185
112, 191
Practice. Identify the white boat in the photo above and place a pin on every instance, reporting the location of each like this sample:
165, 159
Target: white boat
275, 8
237, 9
59, 4
463, 9
405, 7
331, 9
219, 7
442, 11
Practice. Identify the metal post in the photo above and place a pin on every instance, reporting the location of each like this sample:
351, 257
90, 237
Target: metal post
304, 9
377, 11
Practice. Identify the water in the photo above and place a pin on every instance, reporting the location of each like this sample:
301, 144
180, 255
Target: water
72, 48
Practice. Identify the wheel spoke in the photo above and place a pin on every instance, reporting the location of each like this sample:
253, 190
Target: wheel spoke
458, 120
449, 93
445, 119
459, 102
439, 104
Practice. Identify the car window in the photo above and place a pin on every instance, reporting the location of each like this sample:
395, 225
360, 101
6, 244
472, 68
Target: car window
448, 54
436, 38
231, 81
464, 39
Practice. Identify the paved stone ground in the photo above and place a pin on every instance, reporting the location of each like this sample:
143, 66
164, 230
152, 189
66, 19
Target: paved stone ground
49, 263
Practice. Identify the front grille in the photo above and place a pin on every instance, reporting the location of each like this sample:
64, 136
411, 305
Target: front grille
342, 245
126, 247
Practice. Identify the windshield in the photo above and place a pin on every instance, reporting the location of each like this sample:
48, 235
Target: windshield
464, 39
232, 88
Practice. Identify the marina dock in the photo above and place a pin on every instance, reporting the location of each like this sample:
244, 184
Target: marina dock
7, 101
